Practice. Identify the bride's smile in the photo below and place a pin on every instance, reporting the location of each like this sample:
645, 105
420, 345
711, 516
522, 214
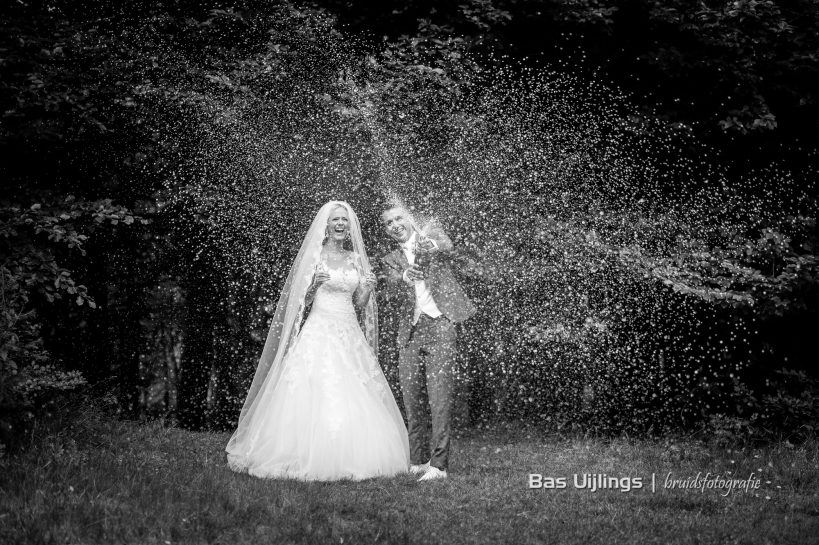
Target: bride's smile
338, 224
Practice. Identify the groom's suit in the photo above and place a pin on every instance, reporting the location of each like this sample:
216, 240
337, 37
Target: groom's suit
426, 343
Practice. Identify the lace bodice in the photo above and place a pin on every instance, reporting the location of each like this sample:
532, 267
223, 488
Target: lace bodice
336, 294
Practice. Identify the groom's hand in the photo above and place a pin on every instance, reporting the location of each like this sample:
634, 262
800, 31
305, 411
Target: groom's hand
428, 245
414, 273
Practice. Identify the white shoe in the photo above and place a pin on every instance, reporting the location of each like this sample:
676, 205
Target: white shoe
433, 473
416, 469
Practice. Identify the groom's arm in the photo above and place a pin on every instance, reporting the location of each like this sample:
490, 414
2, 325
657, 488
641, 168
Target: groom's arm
443, 244
391, 271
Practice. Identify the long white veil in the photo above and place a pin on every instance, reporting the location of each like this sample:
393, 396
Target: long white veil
287, 320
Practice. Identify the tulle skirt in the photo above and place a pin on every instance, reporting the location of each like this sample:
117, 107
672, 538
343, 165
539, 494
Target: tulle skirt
331, 415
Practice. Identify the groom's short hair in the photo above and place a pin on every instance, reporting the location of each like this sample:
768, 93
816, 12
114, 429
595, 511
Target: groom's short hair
386, 207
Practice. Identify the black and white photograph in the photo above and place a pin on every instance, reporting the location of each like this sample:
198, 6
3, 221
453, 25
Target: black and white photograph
419, 272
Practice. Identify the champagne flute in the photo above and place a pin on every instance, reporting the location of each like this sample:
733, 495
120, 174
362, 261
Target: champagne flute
321, 266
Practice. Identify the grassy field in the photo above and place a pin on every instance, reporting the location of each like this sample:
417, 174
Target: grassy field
116, 482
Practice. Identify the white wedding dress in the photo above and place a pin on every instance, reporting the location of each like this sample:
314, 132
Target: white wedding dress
332, 415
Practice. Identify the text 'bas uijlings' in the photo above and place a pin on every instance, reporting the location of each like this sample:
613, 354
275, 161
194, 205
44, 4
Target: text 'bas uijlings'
587, 481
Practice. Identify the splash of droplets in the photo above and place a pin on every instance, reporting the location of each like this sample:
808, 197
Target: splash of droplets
575, 214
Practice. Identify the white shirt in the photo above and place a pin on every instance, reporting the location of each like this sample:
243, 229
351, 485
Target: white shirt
423, 297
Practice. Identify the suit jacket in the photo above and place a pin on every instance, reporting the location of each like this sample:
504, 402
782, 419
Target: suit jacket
445, 289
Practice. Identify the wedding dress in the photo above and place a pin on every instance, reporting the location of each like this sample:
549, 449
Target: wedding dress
329, 414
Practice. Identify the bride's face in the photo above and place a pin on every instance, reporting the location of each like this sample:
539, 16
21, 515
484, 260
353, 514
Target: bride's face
338, 224
397, 224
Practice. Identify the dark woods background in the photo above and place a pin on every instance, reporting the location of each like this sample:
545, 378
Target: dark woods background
113, 293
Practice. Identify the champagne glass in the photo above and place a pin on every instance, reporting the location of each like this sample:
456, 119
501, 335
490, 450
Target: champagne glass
321, 266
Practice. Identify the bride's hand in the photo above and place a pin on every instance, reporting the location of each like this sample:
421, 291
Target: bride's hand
370, 280
320, 277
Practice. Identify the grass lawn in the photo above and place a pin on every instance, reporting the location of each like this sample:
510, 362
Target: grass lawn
117, 482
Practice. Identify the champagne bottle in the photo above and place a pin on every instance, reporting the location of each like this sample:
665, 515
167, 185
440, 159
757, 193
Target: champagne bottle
422, 256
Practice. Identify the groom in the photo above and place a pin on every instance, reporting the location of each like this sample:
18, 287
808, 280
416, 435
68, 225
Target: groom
432, 302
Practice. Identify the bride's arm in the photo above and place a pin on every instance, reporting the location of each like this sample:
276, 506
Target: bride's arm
319, 278
310, 295
364, 290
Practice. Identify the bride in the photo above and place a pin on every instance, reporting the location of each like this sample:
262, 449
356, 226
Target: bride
319, 407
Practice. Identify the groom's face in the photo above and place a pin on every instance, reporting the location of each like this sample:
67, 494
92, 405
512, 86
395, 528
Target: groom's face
397, 224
